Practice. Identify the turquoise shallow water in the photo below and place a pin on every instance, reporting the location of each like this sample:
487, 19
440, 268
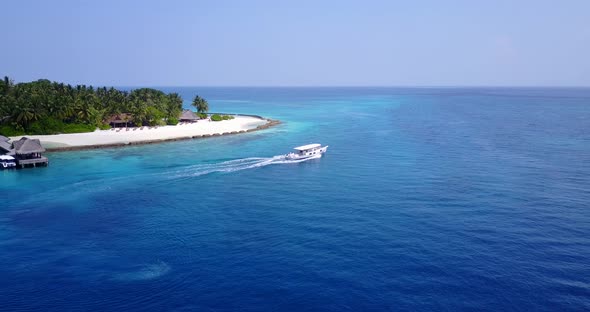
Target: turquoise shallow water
428, 199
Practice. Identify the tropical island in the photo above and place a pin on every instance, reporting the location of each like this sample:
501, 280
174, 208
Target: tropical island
63, 116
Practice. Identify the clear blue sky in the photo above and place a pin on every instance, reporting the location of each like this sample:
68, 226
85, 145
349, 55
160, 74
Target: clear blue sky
295, 43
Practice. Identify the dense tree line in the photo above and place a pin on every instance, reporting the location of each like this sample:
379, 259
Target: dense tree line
45, 106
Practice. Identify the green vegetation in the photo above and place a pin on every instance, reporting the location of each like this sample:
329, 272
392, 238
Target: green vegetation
51, 125
172, 121
200, 104
76, 128
218, 117
202, 115
7, 130
45, 107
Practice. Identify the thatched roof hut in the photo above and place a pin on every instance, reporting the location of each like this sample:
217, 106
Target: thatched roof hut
6, 148
119, 119
26, 146
188, 115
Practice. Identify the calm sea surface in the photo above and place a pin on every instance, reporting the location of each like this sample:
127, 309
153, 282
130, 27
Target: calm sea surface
428, 199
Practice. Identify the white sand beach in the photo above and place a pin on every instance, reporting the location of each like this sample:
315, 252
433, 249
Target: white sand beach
121, 136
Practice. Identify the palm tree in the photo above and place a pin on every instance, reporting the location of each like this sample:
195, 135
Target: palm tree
95, 116
66, 111
7, 85
139, 111
173, 105
200, 104
81, 109
23, 114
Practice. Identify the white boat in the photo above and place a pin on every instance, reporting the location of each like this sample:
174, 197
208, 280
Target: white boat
308, 151
7, 162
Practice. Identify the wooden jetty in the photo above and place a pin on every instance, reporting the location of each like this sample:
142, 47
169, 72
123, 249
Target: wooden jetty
39, 161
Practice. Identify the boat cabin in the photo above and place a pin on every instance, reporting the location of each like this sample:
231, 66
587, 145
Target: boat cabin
7, 162
308, 150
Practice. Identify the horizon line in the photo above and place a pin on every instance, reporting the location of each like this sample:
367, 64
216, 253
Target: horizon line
312, 86
357, 86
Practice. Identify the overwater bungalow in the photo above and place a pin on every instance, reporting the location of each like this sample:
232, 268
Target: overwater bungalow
5, 146
28, 152
188, 116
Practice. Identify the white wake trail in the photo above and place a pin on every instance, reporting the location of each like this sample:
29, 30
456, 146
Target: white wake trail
234, 165
83, 188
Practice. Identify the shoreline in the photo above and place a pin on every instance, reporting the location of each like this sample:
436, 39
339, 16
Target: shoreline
130, 136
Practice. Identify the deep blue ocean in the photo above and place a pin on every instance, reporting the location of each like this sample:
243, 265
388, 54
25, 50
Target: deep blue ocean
428, 199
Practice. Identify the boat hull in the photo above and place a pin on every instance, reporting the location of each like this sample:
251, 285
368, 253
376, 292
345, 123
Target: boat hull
6, 166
